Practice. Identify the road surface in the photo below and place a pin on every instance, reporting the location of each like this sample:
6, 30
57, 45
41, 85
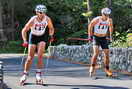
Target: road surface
59, 75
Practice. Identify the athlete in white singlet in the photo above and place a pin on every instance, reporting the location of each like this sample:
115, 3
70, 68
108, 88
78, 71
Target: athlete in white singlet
98, 30
38, 38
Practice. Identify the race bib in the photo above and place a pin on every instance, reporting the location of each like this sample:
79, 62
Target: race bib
101, 28
39, 29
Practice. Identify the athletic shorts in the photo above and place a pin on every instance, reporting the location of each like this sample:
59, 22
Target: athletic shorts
33, 39
101, 41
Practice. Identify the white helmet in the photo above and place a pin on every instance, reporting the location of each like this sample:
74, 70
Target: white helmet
106, 11
41, 8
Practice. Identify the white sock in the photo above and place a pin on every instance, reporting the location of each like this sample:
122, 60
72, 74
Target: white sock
38, 74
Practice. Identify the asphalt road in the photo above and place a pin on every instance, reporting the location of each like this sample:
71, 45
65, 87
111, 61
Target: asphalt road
60, 75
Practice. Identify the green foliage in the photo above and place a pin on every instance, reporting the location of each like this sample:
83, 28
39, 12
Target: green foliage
12, 46
66, 15
122, 15
70, 17
87, 14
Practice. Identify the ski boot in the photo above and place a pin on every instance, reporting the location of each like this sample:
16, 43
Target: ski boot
110, 74
39, 80
23, 79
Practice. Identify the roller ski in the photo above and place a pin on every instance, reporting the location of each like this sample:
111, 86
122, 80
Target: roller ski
23, 79
39, 80
109, 74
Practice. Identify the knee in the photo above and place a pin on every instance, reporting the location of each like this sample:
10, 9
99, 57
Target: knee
42, 44
106, 55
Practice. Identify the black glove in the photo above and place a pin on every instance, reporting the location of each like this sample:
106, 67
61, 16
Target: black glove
90, 38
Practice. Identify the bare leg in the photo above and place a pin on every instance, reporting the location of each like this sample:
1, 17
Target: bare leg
31, 52
41, 49
93, 60
106, 58
106, 62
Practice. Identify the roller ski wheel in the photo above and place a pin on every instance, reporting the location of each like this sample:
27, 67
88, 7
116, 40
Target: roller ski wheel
22, 83
39, 80
23, 79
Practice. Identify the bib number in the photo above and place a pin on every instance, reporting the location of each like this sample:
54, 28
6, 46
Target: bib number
103, 27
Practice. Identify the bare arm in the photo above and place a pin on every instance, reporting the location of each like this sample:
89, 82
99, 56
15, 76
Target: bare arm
51, 28
90, 27
26, 29
111, 28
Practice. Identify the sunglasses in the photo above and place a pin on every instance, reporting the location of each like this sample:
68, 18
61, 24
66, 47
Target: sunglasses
107, 15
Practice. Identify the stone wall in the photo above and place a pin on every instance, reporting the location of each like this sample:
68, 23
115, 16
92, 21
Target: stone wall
120, 58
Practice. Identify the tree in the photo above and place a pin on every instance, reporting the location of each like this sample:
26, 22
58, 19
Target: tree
2, 36
89, 9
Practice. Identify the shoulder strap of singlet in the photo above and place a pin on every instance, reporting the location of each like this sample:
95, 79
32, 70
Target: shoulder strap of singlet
47, 18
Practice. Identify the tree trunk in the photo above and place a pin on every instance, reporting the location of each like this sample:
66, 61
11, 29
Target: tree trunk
12, 19
109, 3
2, 37
1, 24
89, 9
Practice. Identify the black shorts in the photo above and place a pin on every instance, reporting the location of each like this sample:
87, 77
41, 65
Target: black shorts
33, 39
101, 41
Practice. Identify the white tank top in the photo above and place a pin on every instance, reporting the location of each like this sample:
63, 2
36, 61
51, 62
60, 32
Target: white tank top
102, 26
39, 28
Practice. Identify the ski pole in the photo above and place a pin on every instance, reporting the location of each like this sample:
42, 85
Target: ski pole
47, 62
23, 57
81, 39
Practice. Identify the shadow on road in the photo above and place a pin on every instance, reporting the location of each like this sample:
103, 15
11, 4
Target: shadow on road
88, 86
4, 86
79, 86
12, 67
